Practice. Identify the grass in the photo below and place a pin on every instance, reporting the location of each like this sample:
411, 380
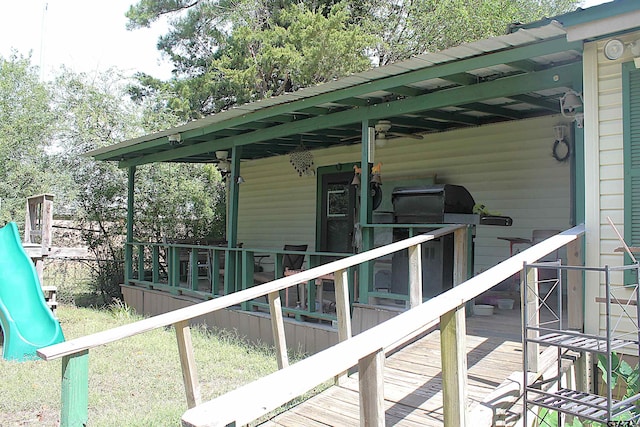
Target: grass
132, 382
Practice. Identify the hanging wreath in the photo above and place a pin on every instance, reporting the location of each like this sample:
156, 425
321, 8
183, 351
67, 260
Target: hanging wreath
561, 150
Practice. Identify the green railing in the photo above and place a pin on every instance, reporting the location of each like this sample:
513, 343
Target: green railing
207, 272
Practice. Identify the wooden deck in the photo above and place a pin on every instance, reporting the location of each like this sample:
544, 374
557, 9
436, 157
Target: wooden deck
412, 378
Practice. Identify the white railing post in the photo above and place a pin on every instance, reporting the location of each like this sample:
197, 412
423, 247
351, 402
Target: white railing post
371, 381
415, 276
453, 348
454, 367
460, 255
188, 363
277, 328
343, 314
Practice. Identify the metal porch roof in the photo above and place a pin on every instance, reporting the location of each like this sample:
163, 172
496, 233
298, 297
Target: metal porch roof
510, 77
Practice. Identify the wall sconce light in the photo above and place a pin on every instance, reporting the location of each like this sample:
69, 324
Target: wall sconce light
570, 102
613, 49
175, 139
240, 180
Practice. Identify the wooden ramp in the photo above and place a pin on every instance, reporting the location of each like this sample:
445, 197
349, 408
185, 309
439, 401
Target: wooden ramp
412, 378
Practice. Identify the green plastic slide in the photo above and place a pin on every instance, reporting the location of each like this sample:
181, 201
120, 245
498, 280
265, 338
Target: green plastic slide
27, 323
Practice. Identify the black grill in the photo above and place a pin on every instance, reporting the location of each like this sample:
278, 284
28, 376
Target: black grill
434, 204
439, 204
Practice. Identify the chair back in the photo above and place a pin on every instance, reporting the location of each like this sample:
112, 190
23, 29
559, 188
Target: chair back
293, 261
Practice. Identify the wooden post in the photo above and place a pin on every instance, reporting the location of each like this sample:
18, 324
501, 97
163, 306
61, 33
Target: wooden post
460, 255
29, 220
583, 372
365, 270
47, 223
454, 367
128, 249
415, 276
75, 390
533, 316
575, 289
343, 314
277, 328
453, 347
371, 381
188, 363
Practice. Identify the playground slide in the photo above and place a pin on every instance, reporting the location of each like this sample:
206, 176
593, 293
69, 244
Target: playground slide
27, 323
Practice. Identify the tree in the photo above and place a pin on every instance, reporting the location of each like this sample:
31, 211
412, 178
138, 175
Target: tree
26, 128
411, 27
175, 200
232, 52
228, 52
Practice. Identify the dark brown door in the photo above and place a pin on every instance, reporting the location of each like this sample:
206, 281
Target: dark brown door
337, 212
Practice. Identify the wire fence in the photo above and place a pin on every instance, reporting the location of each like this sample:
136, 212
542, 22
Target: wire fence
73, 278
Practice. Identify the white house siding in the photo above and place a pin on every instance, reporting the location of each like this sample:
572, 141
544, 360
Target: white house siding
508, 167
603, 160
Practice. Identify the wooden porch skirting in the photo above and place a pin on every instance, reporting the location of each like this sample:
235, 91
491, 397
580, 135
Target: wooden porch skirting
253, 326
305, 337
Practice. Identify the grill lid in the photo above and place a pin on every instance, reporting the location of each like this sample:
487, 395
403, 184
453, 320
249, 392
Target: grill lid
429, 204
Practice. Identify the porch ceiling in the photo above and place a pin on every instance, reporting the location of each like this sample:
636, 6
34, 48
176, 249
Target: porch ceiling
511, 77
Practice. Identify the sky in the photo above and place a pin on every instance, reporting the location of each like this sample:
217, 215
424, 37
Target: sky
85, 35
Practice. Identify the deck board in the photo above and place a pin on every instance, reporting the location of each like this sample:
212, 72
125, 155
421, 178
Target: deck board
413, 378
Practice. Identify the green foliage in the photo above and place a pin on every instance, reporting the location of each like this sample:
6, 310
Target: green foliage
303, 49
44, 134
622, 375
228, 52
231, 52
411, 28
26, 126
179, 201
174, 200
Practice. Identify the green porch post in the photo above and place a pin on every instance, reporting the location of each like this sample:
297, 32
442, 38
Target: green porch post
365, 273
128, 249
232, 222
75, 390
